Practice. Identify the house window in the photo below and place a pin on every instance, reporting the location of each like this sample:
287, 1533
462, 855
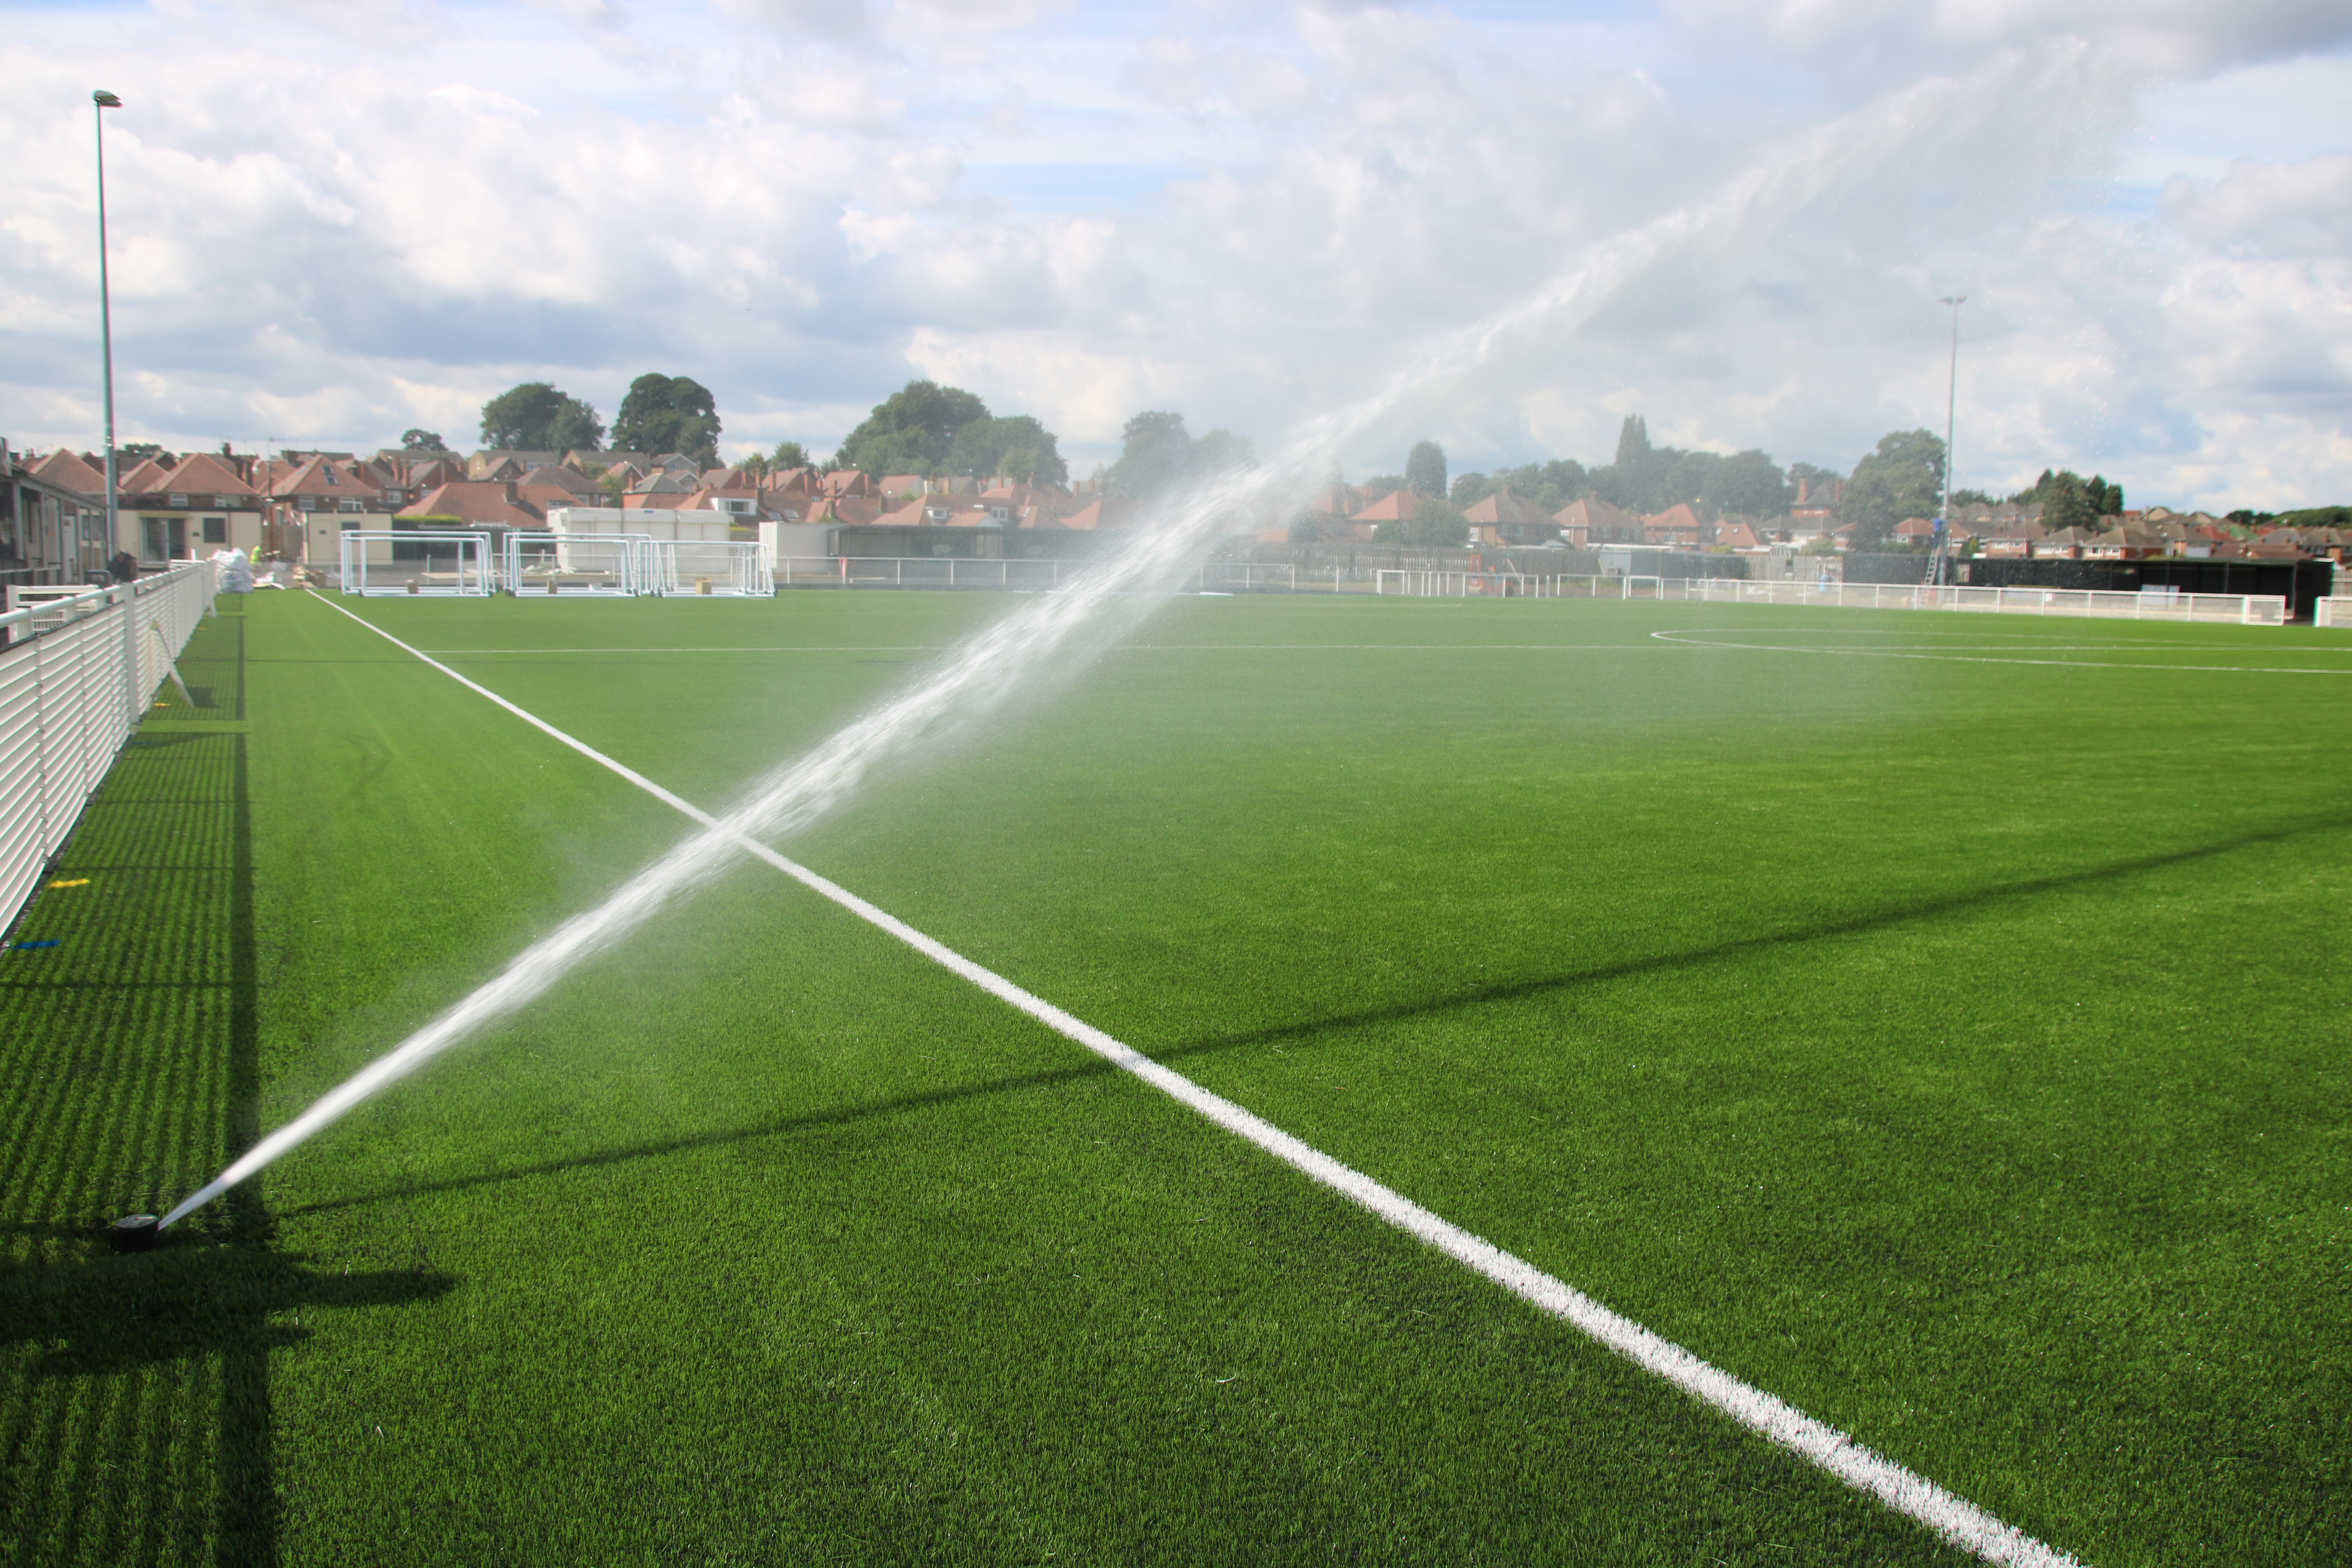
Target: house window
220, 502
216, 531
330, 472
308, 503
350, 504
179, 500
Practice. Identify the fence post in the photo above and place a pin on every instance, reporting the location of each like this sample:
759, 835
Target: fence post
128, 603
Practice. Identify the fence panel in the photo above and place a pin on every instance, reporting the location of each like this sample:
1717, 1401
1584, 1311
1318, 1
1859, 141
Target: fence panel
71, 690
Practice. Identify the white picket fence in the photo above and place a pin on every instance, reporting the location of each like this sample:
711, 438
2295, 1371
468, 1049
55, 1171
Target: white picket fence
75, 679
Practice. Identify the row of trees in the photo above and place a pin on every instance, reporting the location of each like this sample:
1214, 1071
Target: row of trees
660, 413
926, 429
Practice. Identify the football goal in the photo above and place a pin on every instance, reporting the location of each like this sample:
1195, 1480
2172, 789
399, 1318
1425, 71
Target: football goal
414, 560
691, 567
543, 565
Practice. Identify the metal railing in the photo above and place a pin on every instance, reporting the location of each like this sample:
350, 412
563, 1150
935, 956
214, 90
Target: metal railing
75, 679
2162, 604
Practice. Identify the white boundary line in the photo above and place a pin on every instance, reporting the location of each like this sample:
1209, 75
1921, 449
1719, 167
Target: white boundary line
1954, 1518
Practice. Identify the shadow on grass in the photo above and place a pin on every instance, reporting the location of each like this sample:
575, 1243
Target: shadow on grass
135, 1420
1510, 992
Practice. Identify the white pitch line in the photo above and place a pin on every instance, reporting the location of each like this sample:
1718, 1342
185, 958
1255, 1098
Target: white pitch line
1954, 1518
1689, 639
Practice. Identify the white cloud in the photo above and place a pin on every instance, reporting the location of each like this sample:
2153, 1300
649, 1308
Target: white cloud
1247, 216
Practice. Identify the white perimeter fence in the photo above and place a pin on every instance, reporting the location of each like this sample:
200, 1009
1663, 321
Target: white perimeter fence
2332, 611
2147, 605
76, 677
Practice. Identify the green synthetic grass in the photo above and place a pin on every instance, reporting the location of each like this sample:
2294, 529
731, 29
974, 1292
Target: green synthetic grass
1955, 1050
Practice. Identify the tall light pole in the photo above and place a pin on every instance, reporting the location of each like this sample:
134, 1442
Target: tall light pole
1951, 411
101, 102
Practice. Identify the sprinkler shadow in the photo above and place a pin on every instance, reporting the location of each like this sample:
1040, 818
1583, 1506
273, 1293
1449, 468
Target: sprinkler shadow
1824, 931
104, 1314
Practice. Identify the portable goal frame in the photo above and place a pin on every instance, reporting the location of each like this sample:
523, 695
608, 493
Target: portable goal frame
370, 578
720, 568
574, 565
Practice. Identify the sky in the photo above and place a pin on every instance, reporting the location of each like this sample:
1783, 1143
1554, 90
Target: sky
335, 220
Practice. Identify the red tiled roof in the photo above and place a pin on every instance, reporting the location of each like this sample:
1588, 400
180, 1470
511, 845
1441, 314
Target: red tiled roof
65, 471
478, 502
1397, 506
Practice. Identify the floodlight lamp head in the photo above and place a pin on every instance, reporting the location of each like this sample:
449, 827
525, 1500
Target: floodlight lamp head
105, 100
1953, 299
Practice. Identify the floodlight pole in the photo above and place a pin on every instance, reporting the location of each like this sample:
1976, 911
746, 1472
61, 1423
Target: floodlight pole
1951, 413
101, 102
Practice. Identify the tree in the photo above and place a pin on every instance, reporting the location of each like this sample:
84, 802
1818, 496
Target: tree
669, 414
538, 417
425, 441
1425, 469
985, 446
1154, 458
2066, 494
1436, 523
789, 455
1748, 484
1469, 489
912, 430
1380, 485
1903, 477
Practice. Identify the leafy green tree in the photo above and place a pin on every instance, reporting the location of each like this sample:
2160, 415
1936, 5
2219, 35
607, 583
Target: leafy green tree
1747, 484
426, 441
1469, 489
789, 455
1158, 455
1972, 497
1380, 485
1425, 469
1903, 477
1436, 523
538, 417
985, 446
669, 414
912, 430
2067, 494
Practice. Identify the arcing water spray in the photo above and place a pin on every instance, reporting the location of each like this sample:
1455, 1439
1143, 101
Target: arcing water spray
987, 668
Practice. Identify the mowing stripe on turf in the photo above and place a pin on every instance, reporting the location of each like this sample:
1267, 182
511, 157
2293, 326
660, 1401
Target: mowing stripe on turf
1954, 1518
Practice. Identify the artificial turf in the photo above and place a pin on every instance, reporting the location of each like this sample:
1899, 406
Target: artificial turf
1954, 1048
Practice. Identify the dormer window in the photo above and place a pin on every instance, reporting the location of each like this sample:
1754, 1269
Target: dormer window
329, 471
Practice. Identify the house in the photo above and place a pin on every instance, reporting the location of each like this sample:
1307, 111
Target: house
472, 504
847, 482
1818, 499
51, 531
1738, 534
499, 464
1108, 511
1503, 519
193, 506
1397, 506
1677, 526
1593, 521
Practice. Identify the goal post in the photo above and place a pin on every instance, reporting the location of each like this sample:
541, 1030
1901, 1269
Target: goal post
710, 568
545, 565
442, 563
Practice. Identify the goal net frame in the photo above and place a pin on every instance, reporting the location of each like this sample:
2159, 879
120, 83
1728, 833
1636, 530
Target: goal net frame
359, 573
732, 568
573, 566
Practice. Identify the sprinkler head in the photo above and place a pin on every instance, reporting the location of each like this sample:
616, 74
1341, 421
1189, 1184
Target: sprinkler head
133, 1233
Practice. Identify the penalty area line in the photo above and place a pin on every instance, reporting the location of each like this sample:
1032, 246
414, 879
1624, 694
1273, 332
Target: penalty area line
1952, 1516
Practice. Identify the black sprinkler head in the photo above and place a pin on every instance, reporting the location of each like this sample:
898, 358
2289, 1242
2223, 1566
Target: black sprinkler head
133, 1233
